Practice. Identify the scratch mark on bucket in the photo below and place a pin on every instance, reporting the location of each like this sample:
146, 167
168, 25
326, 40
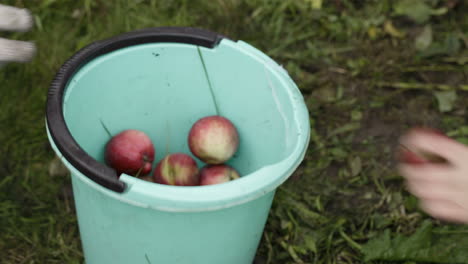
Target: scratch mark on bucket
105, 128
279, 106
168, 130
147, 259
208, 80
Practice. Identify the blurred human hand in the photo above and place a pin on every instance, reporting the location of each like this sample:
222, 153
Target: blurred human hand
441, 184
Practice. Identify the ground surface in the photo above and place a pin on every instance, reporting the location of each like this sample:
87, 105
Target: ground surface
368, 71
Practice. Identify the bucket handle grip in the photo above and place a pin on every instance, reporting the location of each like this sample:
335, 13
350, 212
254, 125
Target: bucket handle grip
59, 132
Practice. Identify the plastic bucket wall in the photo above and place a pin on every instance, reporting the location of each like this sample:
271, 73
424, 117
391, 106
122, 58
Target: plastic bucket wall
158, 81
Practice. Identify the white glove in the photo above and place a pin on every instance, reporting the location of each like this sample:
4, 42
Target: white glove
19, 20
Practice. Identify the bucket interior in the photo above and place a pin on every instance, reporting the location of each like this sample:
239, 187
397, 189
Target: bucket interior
162, 89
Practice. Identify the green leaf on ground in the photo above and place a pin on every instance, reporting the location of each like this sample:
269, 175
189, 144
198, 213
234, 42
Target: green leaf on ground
446, 100
356, 115
356, 166
57, 168
390, 29
417, 10
427, 244
452, 43
450, 46
424, 39
316, 4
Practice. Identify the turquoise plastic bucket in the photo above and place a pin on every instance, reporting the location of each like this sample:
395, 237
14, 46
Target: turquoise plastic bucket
154, 80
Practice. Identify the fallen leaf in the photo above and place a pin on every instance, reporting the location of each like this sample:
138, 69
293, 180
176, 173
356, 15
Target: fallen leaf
446, 100
346, 128
373, 32
424, 39
57, 169
338, 153
310, 243
325, 94
316, 4
452, 44
356, 166
392, 31
427, 244
356, 115
464, 38
439, 11
418, 10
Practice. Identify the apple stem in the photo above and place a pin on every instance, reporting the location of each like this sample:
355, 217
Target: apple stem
139, 171
208, 80
105, 128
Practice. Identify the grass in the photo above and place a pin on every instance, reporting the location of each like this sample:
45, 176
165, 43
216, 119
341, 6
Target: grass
362, 76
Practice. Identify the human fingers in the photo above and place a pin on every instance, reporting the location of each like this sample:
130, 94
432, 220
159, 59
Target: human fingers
445, 210
429, 172
429, 190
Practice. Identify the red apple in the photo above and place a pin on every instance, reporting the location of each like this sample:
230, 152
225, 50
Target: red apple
213, 139
131, 152
215, 174
418, 157
177, 169
407, 155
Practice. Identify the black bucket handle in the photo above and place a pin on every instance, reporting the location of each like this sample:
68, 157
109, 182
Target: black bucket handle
66, 144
